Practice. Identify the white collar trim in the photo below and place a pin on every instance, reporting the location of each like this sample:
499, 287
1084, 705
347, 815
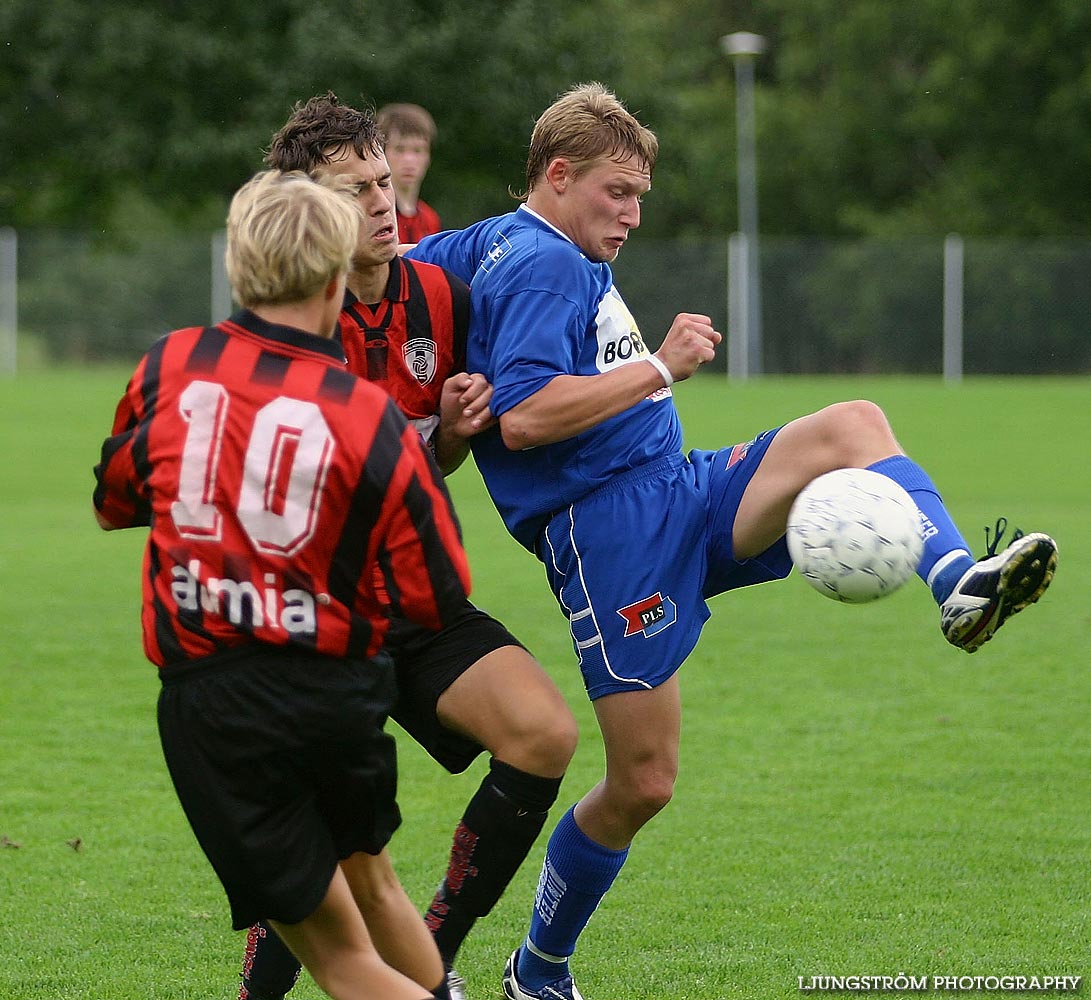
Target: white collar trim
545, 221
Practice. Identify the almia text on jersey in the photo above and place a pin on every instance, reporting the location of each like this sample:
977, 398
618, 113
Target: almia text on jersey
244, 604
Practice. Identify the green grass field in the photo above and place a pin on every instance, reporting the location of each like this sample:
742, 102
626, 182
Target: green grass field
856, 797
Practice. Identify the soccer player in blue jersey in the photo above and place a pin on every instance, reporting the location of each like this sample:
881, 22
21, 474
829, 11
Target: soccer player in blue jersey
587, 469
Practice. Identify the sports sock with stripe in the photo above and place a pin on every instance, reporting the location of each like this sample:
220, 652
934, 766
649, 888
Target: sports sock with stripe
946, 555
576, 874
498, 828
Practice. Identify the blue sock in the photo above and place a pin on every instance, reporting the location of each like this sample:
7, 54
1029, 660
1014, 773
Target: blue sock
576, 874
946, 555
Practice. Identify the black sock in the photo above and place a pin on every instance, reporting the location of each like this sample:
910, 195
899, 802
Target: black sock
269, 969
441, 992
498, 828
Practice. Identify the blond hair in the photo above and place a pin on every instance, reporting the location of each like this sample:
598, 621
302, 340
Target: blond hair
288, 235
586, 124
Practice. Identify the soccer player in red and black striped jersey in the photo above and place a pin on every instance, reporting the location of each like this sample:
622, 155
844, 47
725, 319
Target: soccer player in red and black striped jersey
472, 686
409, 131
280, 491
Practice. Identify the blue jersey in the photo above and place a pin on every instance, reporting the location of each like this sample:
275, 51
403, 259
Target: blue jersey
539, 309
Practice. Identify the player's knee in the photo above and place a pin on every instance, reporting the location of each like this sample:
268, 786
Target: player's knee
857, 431
559, 744
649, 794
657, 799
340, 973
649, 805
543, 748
371, 877
857, 416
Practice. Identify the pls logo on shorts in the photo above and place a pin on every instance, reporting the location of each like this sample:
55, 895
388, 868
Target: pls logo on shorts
650, 615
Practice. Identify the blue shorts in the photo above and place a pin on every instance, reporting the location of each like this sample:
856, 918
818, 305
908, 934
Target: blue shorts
633, 563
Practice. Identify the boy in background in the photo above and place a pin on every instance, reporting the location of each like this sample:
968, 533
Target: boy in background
410, 132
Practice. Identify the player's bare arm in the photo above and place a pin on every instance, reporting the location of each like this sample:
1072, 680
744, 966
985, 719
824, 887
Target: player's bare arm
463, 412
570, 404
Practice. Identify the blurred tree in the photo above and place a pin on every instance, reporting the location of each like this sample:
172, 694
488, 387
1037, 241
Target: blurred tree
927, 117
875, 117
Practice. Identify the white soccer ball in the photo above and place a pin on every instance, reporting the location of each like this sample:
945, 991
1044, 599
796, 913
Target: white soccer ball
854, 535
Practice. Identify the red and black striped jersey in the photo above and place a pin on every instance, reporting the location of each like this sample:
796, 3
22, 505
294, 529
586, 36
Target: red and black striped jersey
412, 340
280, 490
413, 228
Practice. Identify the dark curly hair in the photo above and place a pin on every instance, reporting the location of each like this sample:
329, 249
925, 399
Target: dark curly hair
320, 127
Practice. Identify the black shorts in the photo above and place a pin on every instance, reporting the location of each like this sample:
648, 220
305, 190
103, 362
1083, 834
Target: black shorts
282, 767
427, 663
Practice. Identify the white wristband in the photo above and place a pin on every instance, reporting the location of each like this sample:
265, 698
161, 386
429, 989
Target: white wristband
657, 364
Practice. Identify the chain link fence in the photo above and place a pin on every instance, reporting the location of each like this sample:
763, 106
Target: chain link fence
827, 306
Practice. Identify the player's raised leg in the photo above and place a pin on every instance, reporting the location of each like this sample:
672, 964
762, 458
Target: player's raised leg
975, 599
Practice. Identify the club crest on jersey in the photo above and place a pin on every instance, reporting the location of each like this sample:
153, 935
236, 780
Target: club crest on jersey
650, 615
500, 246
420, 358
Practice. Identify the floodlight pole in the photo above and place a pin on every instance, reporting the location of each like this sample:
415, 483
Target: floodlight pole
9, 300
743, 47
221, 302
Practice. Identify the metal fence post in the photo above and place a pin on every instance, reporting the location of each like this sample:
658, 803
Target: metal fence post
953, 254
9, 300
738, 307
221, 303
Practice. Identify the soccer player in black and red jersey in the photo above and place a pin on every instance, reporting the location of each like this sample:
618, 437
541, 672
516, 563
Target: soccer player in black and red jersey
471, 687
279, 490
410, 131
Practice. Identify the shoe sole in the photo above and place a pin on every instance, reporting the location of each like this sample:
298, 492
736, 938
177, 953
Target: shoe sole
1028, 574
1023, 580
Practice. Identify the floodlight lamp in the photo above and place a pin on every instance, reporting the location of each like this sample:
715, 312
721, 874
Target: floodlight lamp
743, 43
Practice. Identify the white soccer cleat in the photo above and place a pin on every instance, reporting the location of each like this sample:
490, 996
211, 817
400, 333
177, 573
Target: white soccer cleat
456, 985
560, 989
997, 587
